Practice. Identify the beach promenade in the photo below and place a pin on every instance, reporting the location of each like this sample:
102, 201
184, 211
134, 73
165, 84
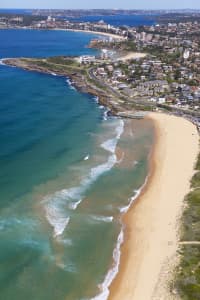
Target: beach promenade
151, 236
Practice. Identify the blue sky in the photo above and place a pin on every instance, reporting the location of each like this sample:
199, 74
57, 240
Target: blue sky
126, 4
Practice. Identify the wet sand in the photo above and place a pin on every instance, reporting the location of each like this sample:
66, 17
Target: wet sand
151, 236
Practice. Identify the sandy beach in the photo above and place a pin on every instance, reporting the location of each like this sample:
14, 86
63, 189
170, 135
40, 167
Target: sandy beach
128, 56
151, 236
132, 55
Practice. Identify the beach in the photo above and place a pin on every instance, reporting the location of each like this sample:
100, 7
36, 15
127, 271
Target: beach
132, 55
113, 36
152, 223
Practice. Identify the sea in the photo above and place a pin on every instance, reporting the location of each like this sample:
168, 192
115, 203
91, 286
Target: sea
68, 173
120, 20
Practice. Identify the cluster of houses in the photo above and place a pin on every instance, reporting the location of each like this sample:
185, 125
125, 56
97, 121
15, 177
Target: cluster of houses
6, 22
170, 76
152, 80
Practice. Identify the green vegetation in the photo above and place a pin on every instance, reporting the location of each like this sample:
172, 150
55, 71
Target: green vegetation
198, 163
57, 64
187, 277
130, 46
61, 60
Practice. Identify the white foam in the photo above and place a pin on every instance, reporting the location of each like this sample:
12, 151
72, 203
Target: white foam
55, 205
74, 205
69, 82
104, 287
99, 170
110, 145
120, 128
56, 217
73, 193
86, 157
102, 219
2, 63
133, 198
105, 115
96, 99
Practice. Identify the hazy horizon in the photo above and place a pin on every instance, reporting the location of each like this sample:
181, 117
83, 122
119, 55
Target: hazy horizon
103, 4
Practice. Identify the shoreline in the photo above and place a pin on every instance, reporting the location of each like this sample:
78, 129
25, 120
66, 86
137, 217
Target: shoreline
114, 36
152, 223
78, 80
111, 35
126, 258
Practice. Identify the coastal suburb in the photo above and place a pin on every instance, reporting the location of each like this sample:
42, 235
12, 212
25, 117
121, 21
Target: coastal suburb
99, 158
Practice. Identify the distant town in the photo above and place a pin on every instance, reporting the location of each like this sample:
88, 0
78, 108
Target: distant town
163, 73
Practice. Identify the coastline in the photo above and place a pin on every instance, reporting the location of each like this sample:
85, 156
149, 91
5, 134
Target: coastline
114, 36
76, 77
159, 132
111, 35
151, 224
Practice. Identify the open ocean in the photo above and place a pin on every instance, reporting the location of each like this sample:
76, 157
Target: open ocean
67, 174
120, 20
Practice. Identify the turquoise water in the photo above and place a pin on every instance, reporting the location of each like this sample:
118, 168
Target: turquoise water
68, 172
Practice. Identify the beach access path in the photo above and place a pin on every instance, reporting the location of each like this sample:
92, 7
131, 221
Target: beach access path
152, 223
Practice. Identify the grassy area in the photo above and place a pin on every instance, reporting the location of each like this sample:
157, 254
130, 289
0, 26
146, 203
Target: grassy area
187, 275
55, 64
61, 60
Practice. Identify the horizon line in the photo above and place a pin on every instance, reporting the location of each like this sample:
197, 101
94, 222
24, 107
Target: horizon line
116, 9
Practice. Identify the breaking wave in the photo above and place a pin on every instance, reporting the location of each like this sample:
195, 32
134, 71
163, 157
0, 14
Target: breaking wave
57, 204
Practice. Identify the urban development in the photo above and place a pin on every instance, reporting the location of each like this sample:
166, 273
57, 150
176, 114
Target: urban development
145, 67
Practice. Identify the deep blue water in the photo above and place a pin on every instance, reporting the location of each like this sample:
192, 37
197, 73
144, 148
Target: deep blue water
37, 43
37, 116
119, 20
36, 107
15, 11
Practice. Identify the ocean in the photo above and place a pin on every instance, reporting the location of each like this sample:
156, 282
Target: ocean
120, 20
68, 172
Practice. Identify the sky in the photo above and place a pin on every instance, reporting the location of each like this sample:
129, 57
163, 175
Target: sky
115, 4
